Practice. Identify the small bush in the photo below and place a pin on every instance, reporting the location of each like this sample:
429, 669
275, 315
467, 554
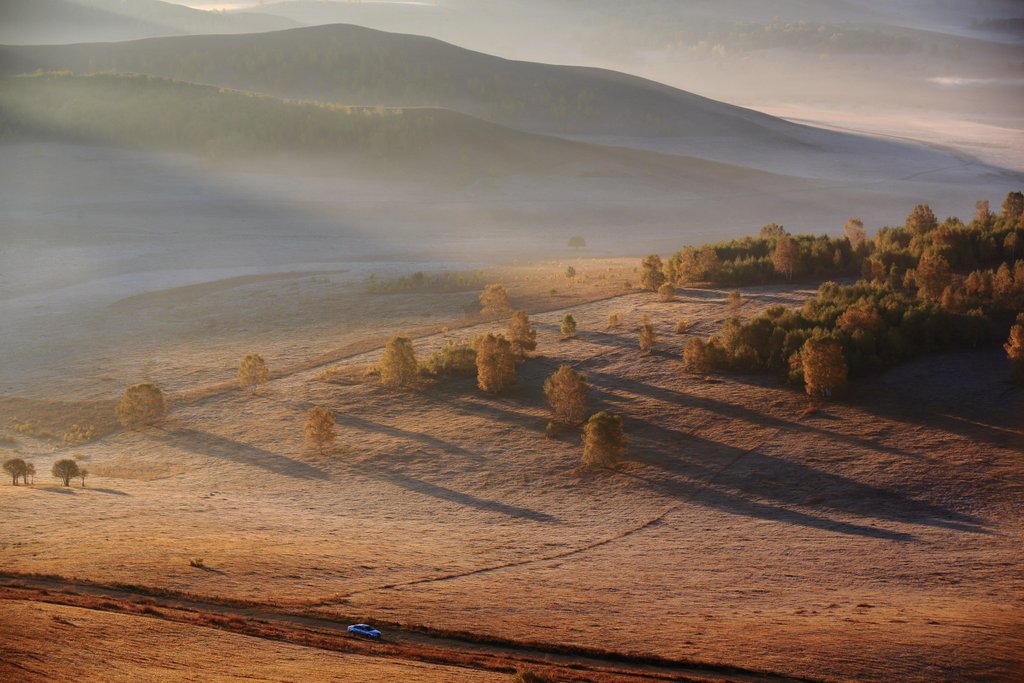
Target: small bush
320, 427
495, 364
252, 372
603, 441
667, 292
614, 320
568, 326
566, 391
527, 676
452, 359
398, 366
682, 326
197, 562
79, 434
648, 337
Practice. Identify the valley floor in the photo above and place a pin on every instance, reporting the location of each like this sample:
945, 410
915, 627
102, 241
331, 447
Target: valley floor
877, 539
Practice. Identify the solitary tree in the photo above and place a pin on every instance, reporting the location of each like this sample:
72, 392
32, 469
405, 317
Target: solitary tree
495, 363
577, 242
520, 334
1014, 347
17, 468
65, 470
494, 301
29, 477
667, 292
922, 220
603, 441
398, 366
82, 474
824, 366
772, 230
652, 273
648, 337
786, 257
566, 391
320, 427
568, 326
252, 372
141, 404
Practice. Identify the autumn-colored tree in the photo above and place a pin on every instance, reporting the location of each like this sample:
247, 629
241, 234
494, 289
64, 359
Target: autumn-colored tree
82, 474
652, 274
614, 320
855, 234
252, 372
398, 366
566, 391
699, 356
860, 317
932, 275
735, 299
982, 214
320, 427
29, 477
604, 443
824, 366
494, 301
142, 404
568, 326
17, 468
682, 325
1014, 347
65, 470
1013, 206
495, 364
648, 337
921, 220
771, 230
520, 334
667, 292
786, 257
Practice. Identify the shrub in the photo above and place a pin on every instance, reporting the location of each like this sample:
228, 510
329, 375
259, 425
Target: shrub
570, 272
527, 676
648, 337
252, 372
79, 433
682, 326
520, 334
494, 301
603, 441
735, 299
568, 326
320, 427
566, 391
17, 468
614, 320
398, 366
452, 359
65, 470
702, 356
142, 404
495, 364
824, 366
666, 292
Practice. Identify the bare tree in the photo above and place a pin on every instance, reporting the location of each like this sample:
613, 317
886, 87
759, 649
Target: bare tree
495, 364
520, 334
494, 301
142, 404
252, 372
604, 443
566, 391
320, 427
398, 366
65, 470
17, 468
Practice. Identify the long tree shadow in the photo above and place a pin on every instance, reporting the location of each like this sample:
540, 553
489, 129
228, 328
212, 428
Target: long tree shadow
735, 411
729, 478
377, 470
350, 420
213, 445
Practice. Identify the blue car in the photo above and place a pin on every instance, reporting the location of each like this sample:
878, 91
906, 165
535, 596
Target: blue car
364, 630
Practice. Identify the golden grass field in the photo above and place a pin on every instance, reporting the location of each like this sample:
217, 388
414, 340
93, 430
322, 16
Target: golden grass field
877, 539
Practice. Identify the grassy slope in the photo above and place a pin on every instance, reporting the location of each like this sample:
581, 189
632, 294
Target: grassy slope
355, 65
868, 542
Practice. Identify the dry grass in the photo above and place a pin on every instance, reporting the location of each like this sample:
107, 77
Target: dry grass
868, 543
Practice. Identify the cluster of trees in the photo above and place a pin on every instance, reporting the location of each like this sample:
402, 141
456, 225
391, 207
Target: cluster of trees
913, 302
64, 470
776, 256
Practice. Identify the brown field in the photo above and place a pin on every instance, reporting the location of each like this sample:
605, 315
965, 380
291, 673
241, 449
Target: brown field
876, 539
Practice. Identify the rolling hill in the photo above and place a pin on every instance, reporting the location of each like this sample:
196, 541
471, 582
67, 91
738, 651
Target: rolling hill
364, 67
30, 22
